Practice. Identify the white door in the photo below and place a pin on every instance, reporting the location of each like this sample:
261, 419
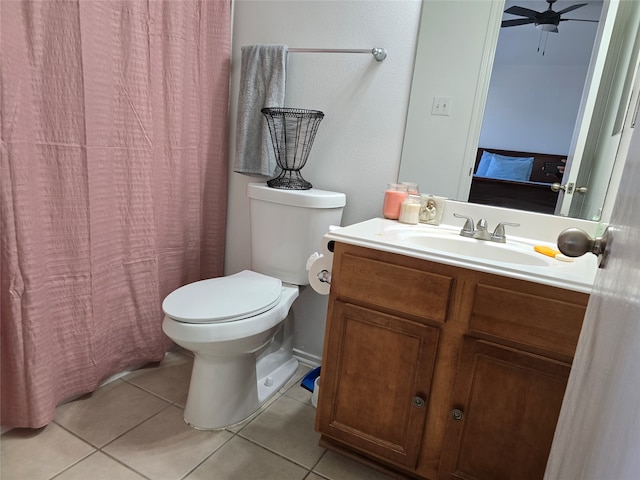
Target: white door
597, 133
587, 129
598, 433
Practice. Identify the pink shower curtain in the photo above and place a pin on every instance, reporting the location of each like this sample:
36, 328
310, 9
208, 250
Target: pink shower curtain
113, 117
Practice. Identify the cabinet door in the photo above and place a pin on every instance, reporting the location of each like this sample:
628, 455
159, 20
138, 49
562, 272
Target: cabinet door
505, 410
376, 377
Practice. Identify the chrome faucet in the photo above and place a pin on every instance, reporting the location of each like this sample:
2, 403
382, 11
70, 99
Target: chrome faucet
498, 234
479, 231
468, 229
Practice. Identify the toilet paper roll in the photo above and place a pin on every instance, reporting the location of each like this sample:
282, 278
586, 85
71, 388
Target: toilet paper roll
320, 275
312, 258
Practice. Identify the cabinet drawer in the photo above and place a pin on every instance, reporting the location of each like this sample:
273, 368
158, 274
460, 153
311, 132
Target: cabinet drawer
543, 323
394, 287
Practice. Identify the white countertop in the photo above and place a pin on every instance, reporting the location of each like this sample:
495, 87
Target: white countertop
395, 237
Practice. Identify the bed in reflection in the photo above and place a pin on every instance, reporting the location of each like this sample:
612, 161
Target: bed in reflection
522, 180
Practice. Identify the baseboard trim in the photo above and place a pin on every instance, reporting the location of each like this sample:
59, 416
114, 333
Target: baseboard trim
307, 358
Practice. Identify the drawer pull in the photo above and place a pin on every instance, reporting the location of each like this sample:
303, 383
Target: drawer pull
417, 402
457, 414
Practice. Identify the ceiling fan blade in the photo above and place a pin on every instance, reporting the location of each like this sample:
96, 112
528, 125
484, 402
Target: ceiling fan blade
578, 20
571, 8
516, 22
523, 12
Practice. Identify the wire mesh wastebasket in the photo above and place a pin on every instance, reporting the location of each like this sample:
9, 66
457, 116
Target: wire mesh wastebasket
292, 133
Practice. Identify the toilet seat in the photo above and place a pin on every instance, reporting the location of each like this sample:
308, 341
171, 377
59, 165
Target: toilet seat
223, 299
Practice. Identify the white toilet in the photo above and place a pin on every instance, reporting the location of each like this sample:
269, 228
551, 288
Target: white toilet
239, 327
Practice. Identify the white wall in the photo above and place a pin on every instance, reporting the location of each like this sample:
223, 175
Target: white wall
537, 83
453, 38
532, 108
358, 146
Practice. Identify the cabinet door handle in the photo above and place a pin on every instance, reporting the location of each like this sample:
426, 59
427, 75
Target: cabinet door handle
417, 402
457, 414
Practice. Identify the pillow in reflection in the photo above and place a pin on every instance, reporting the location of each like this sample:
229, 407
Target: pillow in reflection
483, 165
510, 168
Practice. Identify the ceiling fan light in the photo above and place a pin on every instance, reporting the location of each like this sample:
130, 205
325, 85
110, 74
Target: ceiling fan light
547, 27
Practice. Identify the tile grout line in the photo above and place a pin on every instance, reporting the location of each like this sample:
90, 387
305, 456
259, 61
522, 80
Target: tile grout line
107, 455
207, 457
100, 449
255, 415
157, 395
319, 460
170, 403
248, 420
264, 447
77, 461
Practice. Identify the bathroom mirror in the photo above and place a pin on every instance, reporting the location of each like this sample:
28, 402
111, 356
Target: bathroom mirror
594, 135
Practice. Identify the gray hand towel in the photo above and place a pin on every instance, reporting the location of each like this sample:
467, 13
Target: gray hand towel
262, 84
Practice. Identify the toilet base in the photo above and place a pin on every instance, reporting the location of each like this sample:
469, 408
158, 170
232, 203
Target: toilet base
226, 391
274, 381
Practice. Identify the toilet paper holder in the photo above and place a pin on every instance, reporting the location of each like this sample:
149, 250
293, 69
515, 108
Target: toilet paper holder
324, 276
319, 268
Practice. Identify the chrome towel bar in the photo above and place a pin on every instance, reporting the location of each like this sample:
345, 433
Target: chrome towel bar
378, 53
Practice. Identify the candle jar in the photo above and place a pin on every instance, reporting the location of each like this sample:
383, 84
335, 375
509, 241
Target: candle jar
410, 210
412, 188
394, 195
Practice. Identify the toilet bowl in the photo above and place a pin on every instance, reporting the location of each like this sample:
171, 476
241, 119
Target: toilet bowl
239, 327
241, 358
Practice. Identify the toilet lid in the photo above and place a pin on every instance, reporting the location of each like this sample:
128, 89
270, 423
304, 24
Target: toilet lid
223, 299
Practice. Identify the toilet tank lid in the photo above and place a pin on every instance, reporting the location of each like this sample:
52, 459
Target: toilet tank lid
312, 198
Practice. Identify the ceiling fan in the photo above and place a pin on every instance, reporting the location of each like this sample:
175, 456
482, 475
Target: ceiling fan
547, 21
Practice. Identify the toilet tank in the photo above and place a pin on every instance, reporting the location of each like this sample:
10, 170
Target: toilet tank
287, 226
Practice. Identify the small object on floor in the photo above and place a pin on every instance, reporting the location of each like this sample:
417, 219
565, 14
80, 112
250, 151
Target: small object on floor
316, 392
309, 379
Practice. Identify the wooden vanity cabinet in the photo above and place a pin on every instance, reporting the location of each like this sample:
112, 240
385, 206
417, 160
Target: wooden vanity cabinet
379, 382
380, 347
437, 372
515, 362
505, 409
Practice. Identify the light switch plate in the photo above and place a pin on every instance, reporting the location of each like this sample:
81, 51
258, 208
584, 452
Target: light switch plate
441, 106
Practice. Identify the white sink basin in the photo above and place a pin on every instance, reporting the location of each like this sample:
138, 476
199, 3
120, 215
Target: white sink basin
449, 241
516, 258
470, 247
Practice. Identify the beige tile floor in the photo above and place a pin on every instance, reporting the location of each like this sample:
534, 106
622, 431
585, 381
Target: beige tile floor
132, 429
